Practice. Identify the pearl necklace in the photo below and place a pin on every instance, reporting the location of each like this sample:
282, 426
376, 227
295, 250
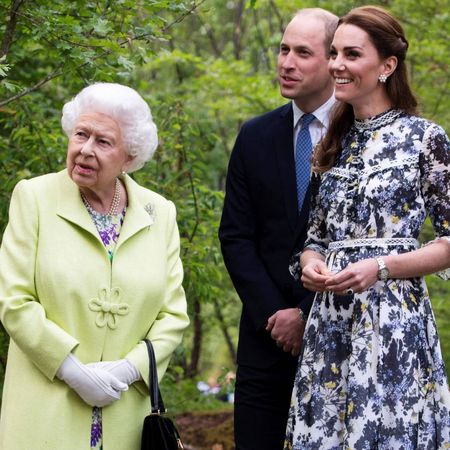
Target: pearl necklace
115, 203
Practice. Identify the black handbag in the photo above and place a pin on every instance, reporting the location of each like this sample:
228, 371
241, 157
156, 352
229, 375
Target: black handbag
159, 432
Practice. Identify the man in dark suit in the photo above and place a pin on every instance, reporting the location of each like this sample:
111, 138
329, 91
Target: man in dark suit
264, 223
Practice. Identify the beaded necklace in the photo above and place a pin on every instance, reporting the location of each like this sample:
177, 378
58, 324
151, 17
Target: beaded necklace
115, 203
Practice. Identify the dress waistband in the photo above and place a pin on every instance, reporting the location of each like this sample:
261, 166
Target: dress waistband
373, 242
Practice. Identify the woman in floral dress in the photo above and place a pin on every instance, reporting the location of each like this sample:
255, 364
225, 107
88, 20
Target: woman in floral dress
371, 374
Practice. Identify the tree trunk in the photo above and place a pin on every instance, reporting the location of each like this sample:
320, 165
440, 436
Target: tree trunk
10, 27
196, 341
224, 328
237, 33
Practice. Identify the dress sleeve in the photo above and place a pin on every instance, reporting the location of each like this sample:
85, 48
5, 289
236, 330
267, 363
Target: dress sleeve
435, 183
167, 330
24, 318
318, 238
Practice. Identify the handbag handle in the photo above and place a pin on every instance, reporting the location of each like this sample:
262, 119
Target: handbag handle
156, 401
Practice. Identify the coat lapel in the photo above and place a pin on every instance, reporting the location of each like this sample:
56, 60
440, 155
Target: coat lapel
286, 166
70, 206
138, 216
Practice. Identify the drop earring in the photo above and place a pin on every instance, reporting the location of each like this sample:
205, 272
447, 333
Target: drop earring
382, 78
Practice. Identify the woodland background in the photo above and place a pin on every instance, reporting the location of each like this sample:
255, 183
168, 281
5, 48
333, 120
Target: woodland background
204, 67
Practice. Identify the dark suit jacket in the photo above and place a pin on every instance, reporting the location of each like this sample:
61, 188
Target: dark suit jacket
261, 229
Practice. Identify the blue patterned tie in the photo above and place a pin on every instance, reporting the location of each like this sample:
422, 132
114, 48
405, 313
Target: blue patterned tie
303, 149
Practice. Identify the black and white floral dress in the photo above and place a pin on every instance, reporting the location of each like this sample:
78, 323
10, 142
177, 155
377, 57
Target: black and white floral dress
371, 374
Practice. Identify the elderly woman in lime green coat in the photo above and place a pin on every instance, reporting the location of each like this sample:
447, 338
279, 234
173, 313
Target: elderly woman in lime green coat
78, 297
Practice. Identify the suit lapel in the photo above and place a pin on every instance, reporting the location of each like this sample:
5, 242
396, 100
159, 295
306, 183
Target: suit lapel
286, 166
303, 217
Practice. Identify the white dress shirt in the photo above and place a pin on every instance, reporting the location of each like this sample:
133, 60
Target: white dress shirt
319, 125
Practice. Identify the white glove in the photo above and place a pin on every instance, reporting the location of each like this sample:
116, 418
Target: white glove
123, 369
95, 386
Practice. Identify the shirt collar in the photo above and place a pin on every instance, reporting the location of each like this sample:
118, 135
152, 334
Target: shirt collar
321, 113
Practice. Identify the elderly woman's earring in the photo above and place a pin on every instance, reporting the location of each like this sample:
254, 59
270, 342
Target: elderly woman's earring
382, 78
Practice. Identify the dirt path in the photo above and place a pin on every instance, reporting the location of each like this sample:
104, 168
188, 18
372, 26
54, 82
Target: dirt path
212, 430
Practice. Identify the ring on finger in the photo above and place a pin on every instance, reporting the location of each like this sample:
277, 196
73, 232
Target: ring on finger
349, 291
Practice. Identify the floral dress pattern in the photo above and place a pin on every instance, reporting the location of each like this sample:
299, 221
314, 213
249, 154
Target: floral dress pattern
371, 373
108, 227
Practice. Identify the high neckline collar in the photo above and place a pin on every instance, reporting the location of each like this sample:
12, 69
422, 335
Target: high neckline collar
378, 121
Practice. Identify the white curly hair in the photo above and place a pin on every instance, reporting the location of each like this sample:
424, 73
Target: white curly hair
124, 105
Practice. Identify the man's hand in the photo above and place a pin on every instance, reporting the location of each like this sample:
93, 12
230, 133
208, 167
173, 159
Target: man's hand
286, 328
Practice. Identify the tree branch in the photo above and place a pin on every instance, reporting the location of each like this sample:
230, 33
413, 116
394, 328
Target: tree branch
261, 40
10, 27
183, 16
58, 72
278, 15
212, 38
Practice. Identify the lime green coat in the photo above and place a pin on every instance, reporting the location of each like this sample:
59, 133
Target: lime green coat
60, 293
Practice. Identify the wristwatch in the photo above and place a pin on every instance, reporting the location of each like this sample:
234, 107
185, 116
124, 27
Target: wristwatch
383, 271
301, 316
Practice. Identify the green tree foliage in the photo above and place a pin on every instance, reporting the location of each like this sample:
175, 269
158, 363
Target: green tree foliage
49, 51
204, 67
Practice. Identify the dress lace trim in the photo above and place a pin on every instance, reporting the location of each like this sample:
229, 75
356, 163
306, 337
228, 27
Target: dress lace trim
378, 121
373, 242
